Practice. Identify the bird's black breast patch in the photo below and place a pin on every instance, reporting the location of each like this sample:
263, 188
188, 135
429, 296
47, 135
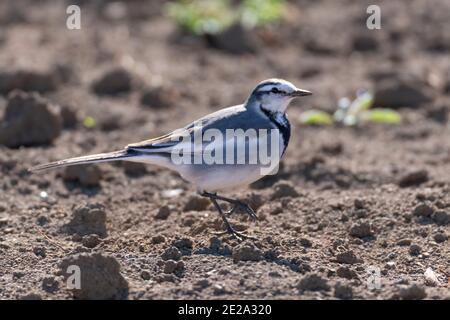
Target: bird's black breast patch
282, 123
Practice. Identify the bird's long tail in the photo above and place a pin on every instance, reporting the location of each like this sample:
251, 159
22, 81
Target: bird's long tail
101, 157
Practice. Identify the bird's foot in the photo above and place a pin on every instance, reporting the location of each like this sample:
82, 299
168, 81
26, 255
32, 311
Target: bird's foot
239, 236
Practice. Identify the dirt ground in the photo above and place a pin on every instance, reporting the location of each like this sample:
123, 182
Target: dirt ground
348, 201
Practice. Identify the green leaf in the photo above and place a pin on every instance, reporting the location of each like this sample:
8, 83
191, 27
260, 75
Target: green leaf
361, 103
315, 117
201, 16
89, 122
382, 116
260, 12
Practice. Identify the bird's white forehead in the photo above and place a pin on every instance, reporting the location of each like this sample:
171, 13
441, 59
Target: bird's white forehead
278, 83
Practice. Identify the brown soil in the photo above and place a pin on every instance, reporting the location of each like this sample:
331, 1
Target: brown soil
373, 196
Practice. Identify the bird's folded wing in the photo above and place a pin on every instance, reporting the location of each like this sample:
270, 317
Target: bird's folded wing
163, 143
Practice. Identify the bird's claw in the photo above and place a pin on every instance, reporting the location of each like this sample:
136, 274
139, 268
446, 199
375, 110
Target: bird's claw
239, 236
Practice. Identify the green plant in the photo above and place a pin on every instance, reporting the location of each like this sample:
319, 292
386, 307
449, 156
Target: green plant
213, 16
353, 112
261, 12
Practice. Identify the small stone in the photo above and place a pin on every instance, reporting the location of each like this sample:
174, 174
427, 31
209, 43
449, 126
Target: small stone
361, 230
404, 242
50, 284
347, 273
39, 251
440, 237
30, 81
163, 213
359, 204
160, 97
414, 250
423, 210
396, 92
343, 292
31, 296
90, 241
29, 120
196, 203
88, 219
235, 39
183, 244
246, 252
113, 82
431, 278
145, 275
305, 242
158, 239
86, 175
413, 178
313, 282
100, 276
347, 257
283, 189
413, 292
171, 253
172, 266
69, 117
441, 218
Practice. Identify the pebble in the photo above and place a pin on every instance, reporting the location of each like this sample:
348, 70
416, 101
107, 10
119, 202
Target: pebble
313, 282
171, 253
246, 252
361, 230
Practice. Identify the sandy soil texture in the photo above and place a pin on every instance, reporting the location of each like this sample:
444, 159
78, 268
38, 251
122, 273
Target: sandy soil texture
351, 206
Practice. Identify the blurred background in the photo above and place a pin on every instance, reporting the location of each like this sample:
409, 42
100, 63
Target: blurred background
373, 137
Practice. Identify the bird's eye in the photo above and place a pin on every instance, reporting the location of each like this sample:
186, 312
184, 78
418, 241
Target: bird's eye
275, 90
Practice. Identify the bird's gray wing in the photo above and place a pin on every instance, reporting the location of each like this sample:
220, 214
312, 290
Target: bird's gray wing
236, 117
229, 118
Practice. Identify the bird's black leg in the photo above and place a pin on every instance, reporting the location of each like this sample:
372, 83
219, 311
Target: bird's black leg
236, 204
213, 197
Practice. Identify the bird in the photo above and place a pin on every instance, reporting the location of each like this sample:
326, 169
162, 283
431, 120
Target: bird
264, 109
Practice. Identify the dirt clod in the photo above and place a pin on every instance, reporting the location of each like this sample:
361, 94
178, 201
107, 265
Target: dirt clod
85, 175
88, 219
415, 250
113, 82
412, 292
440, 237
27, 80
396, 92
413, 178
284, 189
343, 292
160, 97
313, 282
100, 276
246, 252
163, 213
29, 120
347, 257
423, 210
171, 253
361, 230
90, 241
441, 218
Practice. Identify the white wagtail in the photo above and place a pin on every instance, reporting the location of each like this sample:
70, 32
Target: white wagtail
264, 112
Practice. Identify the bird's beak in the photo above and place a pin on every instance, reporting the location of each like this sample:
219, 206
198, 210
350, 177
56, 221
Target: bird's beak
300, 93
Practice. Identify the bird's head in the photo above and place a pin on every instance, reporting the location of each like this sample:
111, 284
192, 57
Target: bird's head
275, 94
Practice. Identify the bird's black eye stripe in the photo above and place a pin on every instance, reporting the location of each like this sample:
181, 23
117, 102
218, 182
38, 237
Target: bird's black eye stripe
275, 90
